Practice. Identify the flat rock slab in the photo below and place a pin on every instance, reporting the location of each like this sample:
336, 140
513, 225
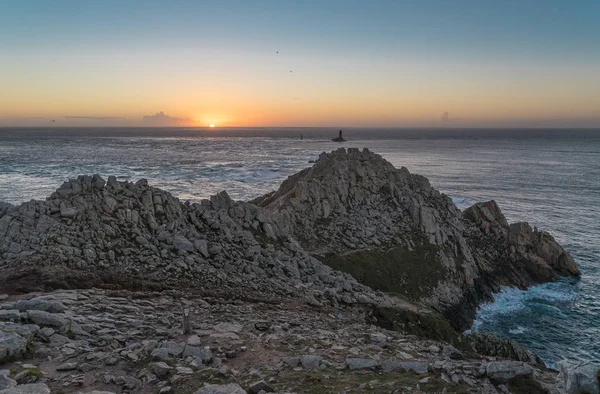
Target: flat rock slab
503, 371
36, 388
415, 367
361, 363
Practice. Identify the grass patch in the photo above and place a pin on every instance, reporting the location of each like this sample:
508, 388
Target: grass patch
409, 273
332, 381
427, 324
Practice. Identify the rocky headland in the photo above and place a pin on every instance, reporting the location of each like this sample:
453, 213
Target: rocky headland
354, 276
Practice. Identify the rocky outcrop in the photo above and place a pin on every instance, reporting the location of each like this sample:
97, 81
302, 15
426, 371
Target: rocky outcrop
491, 345
121, 234
352, 210
394, 232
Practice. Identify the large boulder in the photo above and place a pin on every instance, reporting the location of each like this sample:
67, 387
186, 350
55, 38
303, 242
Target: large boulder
579, 378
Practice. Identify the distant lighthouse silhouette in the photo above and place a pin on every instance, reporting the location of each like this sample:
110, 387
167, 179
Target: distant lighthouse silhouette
339, 138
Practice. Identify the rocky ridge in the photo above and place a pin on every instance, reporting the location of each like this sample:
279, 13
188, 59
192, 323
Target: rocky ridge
91, 232
394, 232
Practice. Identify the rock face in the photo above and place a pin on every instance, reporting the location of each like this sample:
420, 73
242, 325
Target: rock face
120, 234
394, 232
352, 210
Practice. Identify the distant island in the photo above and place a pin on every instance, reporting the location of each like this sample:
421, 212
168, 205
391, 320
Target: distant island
339, 138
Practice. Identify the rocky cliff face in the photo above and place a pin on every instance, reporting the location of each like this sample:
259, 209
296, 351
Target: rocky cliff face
394, 232
91, 232
352, 210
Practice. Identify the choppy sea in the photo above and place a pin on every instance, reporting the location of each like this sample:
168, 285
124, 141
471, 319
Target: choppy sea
550, 178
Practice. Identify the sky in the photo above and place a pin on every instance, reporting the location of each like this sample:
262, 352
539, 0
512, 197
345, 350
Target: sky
378, 63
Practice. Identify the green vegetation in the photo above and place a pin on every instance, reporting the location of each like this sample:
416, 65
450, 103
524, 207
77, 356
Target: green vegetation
423, 323
409, 273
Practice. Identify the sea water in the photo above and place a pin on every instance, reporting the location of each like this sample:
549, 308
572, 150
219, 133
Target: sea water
550, 178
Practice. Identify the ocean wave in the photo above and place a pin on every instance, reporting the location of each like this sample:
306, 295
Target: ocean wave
518, 330
512, 301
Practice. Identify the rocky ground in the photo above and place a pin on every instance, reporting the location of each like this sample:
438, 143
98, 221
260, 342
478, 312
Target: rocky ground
133, 342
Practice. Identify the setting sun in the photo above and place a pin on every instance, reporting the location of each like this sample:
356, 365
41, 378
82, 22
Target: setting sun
212, 125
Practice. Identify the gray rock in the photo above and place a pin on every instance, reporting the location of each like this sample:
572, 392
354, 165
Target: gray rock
194, 340
173, 348
160, 354
46, 319
203, 353
232, 388
390, 365
46, 304
291, 361
6, 382
37, 388
161, 369
182, 243
361, 363
10, 315
67, 367
11, 343
503, 371
310, 362
579, 378
417, 367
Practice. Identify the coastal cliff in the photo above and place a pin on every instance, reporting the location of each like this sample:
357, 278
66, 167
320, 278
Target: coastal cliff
394, 232
351, 259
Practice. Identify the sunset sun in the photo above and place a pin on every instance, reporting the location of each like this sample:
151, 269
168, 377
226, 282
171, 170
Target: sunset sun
212, 125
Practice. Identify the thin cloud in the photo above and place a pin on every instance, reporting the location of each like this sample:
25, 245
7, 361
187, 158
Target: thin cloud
160, 119
94, 117
445, 116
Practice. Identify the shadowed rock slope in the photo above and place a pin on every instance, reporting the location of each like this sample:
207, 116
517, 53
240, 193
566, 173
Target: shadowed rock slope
394, 232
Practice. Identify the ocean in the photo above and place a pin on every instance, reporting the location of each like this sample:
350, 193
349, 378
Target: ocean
550, 178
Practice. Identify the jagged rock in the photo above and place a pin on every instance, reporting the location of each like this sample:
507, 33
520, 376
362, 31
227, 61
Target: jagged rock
504, 371
232, 388
579, 378
37, 388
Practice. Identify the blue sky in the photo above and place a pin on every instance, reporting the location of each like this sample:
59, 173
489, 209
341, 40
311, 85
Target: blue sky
457, 45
